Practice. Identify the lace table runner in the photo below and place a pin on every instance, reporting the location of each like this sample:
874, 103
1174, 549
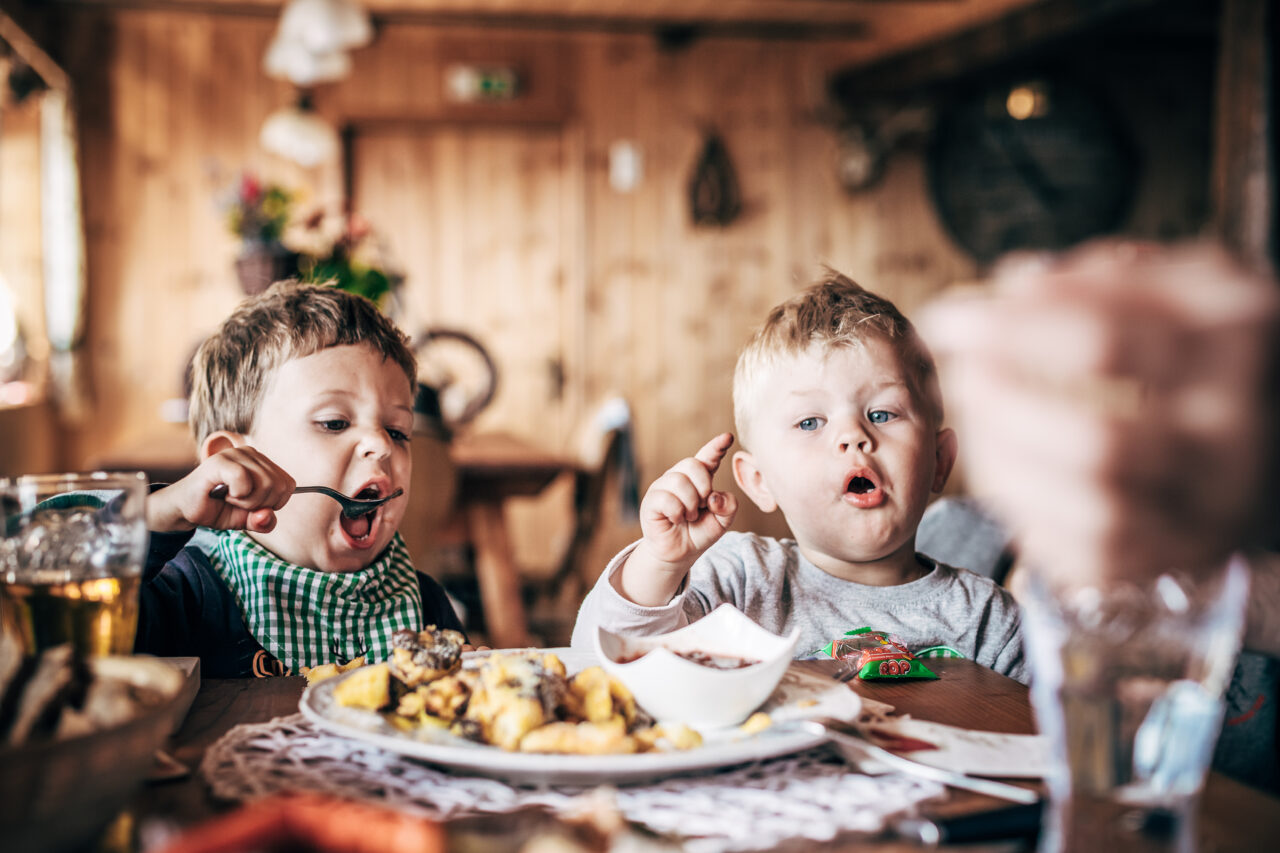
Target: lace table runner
809, 795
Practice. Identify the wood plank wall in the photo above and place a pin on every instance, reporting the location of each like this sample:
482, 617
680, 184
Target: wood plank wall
171, 107
27, 442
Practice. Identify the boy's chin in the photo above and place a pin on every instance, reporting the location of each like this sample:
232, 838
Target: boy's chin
337, 564
335, 558
347, 559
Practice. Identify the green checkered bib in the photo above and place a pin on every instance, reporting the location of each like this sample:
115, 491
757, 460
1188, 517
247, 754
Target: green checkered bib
307, 617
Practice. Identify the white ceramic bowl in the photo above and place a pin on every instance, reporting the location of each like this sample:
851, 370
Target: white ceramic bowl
670, 687
58, 794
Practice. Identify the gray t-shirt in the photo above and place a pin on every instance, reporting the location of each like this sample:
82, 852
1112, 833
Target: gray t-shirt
773, 583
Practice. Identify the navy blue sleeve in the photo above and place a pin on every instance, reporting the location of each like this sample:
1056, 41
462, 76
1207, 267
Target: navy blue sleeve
166, 603
186, 610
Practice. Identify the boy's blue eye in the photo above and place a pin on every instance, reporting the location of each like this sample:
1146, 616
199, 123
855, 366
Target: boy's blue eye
810, 424
397, 435
880, 416
334, 425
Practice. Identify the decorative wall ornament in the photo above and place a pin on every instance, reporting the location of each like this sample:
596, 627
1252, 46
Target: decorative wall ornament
714, 198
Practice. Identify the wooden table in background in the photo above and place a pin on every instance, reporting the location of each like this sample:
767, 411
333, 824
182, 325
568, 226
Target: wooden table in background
1233, 817
491, 468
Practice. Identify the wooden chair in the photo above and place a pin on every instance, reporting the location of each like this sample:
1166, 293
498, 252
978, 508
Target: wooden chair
432, 496
605, 476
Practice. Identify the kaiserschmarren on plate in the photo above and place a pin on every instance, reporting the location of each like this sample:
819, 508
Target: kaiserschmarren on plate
517, 701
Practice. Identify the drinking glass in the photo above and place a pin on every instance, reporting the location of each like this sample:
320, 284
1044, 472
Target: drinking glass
71, 560
1128, 685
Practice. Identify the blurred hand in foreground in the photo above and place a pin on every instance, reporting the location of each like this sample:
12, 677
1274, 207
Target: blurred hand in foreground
1115, 405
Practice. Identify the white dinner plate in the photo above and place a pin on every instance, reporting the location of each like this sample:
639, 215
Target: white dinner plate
799, 695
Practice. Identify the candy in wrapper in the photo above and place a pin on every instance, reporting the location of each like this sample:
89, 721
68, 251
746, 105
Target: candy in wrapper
875, 655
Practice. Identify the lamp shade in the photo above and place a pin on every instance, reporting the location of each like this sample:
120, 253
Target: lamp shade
325, 26
297, 133
289, 60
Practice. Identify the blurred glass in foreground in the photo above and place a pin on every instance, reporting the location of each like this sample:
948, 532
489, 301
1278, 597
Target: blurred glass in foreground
1128, 686
71, 560
1116, 409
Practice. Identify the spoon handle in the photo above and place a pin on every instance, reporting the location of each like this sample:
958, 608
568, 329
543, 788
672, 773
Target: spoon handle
220, 491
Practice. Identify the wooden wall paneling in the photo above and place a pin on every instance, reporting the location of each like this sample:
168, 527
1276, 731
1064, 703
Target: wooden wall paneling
115, 190
654, 240
616, 311
184, 102
617, 351
502, 265
91, 43
28, 437
411, 249
20, 237
138, 302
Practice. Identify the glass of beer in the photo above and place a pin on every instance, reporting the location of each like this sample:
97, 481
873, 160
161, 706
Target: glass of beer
71, 560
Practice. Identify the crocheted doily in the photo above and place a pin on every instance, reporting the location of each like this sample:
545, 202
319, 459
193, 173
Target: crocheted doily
809, 795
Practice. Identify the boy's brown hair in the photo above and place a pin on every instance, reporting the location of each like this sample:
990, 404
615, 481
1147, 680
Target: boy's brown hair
229, 371
833, 312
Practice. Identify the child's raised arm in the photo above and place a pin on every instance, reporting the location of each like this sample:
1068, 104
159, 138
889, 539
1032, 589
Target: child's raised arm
681, 516
256, 488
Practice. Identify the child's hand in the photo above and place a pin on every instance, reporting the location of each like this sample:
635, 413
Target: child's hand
682, 515
256, 488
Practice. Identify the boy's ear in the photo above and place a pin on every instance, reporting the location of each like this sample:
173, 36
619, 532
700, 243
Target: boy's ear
944, 457
216, 442
751, 480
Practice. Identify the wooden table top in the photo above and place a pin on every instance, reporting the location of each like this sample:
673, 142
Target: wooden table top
1233, 816
501, 452
498, 465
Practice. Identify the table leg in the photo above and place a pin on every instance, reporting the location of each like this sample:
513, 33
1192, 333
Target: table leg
500, 591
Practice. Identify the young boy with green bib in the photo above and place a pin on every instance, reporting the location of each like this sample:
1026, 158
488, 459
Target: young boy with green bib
302, 385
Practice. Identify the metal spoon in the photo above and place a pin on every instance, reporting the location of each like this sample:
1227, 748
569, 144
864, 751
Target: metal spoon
351, 507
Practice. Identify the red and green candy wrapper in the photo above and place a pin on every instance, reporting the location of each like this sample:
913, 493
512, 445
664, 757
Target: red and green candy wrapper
876, 655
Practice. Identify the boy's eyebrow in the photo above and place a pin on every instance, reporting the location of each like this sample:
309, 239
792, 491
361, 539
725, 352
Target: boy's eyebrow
877, 386
327, 395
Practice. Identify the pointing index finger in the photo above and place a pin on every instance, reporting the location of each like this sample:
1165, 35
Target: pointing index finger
712, 453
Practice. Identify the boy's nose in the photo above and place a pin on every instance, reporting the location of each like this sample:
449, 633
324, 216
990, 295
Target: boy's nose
375, 444
854, 436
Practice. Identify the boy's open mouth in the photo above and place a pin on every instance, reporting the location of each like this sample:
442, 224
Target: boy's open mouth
360, 530
861, 485
862, 489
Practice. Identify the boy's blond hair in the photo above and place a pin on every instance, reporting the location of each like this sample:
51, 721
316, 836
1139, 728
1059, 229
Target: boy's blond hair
834, 312
229, 371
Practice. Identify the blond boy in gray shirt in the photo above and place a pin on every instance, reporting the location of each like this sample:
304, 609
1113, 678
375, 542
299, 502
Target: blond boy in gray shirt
837, 404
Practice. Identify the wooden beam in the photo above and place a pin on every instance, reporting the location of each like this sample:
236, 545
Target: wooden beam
687, 28
33, 54
1015, 34
1244, 181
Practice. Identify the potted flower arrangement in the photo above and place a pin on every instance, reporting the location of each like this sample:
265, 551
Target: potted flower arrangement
258, 213
343, 258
